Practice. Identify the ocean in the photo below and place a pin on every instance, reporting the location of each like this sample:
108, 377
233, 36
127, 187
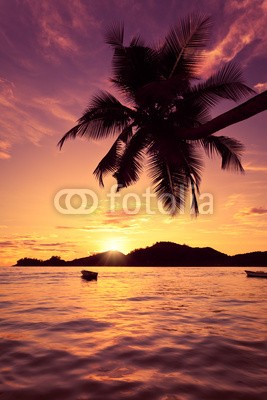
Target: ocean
137, 333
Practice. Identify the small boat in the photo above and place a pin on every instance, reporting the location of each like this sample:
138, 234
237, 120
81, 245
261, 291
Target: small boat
89, 275
256, 274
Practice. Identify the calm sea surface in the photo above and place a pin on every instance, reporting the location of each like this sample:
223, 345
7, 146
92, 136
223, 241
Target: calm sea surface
137, 333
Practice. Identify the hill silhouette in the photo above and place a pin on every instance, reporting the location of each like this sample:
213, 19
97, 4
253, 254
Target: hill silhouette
171, 254
111, 258
160, 254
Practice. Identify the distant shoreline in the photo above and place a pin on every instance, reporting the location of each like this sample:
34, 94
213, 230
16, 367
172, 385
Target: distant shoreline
161, 254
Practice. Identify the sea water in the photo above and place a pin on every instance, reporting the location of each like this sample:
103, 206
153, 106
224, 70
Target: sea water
137, 333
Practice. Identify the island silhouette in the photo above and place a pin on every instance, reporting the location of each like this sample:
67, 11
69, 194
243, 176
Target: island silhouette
159, 254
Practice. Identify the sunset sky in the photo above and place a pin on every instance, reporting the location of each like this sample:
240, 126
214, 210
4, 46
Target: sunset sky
53, 59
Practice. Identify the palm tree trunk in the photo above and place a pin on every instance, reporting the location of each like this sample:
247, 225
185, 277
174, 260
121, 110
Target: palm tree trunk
252, 107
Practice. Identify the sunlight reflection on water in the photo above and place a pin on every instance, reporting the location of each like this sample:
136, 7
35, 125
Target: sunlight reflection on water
136, 333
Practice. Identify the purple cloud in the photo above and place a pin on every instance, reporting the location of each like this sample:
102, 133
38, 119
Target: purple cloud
259, 210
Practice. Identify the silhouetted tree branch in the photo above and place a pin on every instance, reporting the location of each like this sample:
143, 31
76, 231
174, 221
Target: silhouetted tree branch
253, 106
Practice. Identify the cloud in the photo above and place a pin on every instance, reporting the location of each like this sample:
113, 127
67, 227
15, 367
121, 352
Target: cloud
55, 107
4, 145
259, 210
260, 87
65, 227
4, 155
53, 33
255, 168
251, 212
60, 26
45, 67
112, 229
120, 219
6, 98
116, 218
233, 200
21, 242
255, 211
27, 117
8, 243
6, 91
15, 109
50, 244
247, 26
112, 222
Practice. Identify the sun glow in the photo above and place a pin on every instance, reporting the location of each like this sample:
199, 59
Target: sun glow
114, 245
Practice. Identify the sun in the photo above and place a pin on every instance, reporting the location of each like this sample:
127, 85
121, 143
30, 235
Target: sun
114, 245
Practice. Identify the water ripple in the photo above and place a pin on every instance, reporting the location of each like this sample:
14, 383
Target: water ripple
134, 335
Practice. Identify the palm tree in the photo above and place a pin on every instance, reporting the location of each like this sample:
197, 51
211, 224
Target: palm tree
165, 121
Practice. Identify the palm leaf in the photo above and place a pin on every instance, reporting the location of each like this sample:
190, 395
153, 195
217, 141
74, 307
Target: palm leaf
194, 204
174, 168
130, 64
193, 166
126, 134
229, 149
105, 115
134, 67
110, 162
114, 35
226, 83
137, 41
182, 153
181, 53
169, 182
71, 134
191, 162
103, 118
131, 161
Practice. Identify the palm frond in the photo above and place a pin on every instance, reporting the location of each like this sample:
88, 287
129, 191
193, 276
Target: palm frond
71, 134
104, 116
226, 83
131, 161
229, 149
194, 204
126, 134
172, 176
137, 41
169, 182
193, 166
182, 51
114, 35
134, 67
110, 162
191, 162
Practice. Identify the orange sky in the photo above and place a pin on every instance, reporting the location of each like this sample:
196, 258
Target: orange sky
53, 60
